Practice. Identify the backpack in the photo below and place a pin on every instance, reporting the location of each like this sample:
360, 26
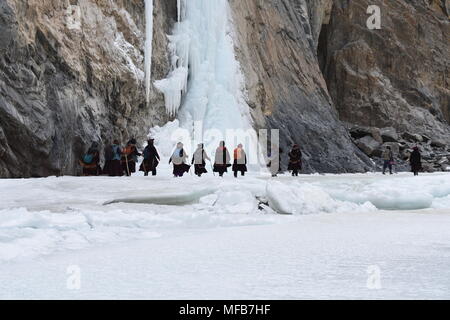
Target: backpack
88, 158
128, 150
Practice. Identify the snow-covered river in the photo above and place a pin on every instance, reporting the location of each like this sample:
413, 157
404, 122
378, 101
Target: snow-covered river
160, 237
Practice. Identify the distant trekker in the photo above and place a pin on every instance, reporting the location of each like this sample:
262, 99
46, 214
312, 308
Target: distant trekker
388, 159
116, 154
91, 161
151, 159
240, 161
178, 159
415, 160
222, 159
199, 160
295, 160
130, 156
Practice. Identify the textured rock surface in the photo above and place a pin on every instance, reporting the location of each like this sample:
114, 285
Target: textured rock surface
276, 45
71, 72
393, 77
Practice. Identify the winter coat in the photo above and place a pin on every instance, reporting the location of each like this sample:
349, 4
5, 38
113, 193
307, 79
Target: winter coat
199, 157
240, 160
116, 152
178, 157
222, 160
130, 154
295, 159
388, 155
151, 159
415, 160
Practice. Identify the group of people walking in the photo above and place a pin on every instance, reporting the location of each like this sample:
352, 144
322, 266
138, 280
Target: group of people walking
122, 161
222, 160
415, 160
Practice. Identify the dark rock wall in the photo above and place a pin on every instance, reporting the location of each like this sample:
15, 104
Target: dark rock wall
394, 77
71, 72
277, 41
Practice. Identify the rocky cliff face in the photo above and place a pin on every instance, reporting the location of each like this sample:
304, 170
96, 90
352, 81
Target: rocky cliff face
397, 76
277, 47
314, 66
71, 72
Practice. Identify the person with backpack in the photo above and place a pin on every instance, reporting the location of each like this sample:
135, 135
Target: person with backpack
240, 161
116, 156
178, 159
151, 159
415, 160
388, 159
130, 156
91, 161
199, 160
222, 159
295, 160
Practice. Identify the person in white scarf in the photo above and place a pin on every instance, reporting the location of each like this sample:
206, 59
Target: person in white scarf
178, 159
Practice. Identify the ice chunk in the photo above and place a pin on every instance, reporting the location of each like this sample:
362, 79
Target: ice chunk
171, 199
304, 198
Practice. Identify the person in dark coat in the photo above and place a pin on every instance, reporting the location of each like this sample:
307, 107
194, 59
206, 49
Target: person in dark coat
151, 159
91, 161
415, 160
222, 159
240, 161
108, 155
178, 159
199, 160
295, 160
130, 156
116, 167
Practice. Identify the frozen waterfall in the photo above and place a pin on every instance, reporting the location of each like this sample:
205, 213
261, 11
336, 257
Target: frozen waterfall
205, 88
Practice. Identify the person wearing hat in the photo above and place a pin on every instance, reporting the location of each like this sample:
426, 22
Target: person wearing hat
199, 160
415, 160
151, 158
295, 160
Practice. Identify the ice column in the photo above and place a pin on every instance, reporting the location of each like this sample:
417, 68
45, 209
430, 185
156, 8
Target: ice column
148, 46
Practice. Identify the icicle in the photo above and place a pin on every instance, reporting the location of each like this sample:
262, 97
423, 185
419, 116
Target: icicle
148, 46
